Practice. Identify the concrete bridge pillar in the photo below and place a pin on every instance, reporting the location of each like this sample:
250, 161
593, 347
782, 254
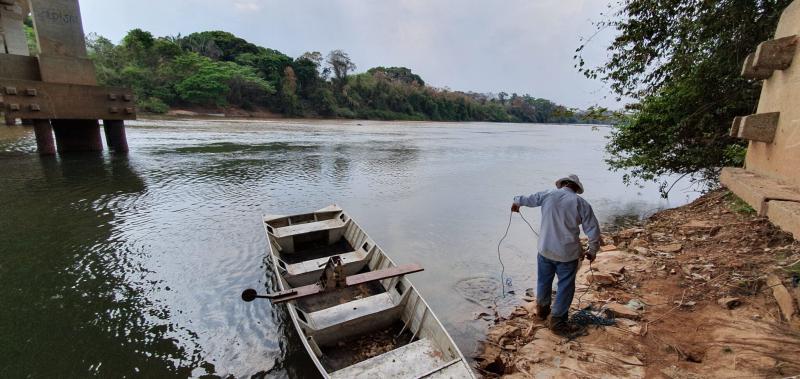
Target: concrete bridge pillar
77, 135
56, 91
44, 137
770, 181
115, 136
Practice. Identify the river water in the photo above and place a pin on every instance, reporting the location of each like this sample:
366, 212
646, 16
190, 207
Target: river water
132, 266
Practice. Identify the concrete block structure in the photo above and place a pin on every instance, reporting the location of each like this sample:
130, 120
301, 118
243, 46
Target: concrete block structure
57, 89
770, 180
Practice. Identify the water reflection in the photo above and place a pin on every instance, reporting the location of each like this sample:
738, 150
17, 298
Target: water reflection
133, 266
73, 300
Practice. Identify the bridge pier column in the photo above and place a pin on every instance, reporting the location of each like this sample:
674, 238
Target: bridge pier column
44, 137
77, 135
116, 139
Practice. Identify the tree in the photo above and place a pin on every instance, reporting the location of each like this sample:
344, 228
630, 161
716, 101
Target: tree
312, 56
307, 74
218, 45
288, 94
502, 96
202, 81
400, 74
680, 61
340, 64
202, 44
218, 69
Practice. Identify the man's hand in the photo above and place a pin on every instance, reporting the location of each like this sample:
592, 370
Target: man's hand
515, 208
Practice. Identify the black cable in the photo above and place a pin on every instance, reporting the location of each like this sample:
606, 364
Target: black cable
589, 287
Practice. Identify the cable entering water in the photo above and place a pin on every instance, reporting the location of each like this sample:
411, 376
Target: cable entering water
499, 258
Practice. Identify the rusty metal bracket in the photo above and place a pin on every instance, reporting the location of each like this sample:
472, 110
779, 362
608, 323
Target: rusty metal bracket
333, 274
41, 100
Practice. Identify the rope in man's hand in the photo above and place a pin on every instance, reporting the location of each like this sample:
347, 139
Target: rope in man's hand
499, 257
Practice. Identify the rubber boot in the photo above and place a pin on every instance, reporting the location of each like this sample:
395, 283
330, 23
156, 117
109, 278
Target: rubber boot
562, 327
542, 311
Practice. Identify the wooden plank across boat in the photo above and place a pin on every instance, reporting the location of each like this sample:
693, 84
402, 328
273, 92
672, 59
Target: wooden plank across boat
357, 313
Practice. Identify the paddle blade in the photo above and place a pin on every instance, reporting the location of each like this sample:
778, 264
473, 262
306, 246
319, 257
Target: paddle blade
249, 295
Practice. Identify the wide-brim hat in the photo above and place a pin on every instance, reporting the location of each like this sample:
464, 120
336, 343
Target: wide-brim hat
570, 178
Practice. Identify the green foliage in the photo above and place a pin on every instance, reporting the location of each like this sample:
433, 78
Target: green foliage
680, 60
793, 268
400, 74
217, 69
736, 204
218, 45
30, 35
270, 63
153, 105
341, 65
206, 82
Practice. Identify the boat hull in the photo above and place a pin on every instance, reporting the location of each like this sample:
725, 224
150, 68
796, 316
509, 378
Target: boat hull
382, 328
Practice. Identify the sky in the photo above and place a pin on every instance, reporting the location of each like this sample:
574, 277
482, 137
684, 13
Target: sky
522, 46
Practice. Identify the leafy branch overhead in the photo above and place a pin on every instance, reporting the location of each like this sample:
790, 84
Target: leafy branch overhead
679, 61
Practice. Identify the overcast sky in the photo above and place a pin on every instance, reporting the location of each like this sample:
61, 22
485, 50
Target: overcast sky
523, 46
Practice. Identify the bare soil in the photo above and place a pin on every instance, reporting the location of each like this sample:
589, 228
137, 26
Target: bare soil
689, 291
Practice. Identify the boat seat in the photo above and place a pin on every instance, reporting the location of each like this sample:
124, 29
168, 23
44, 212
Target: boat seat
316, 226
413, 360
351, 310
319, 264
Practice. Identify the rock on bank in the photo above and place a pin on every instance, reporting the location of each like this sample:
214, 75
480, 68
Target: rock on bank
704, 290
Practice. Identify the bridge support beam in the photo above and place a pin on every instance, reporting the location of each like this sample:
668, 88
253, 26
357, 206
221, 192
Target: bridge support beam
77, 135
44, 137
56, 91
115, 136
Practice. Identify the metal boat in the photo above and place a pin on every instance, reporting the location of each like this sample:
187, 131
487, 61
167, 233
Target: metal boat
357, 313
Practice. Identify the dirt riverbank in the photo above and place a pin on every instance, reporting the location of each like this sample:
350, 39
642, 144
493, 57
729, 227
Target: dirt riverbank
705, 290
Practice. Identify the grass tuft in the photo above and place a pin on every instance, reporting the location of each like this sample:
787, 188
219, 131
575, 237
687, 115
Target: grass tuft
736, 204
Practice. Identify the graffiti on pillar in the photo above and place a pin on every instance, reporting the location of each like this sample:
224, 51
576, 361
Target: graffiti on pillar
59, 29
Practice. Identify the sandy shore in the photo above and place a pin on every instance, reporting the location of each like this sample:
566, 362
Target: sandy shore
704, 290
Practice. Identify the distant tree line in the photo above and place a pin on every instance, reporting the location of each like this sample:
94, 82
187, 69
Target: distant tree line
216, 69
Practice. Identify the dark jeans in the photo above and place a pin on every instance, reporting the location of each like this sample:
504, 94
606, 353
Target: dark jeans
547, 269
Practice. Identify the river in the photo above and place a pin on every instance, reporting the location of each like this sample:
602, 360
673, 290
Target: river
132, 266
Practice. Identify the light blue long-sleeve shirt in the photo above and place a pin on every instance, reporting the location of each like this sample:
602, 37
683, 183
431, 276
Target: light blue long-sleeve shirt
562, 212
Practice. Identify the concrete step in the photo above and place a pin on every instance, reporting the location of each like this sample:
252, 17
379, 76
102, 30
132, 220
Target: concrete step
770, 197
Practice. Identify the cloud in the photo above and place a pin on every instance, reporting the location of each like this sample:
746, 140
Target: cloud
247, 5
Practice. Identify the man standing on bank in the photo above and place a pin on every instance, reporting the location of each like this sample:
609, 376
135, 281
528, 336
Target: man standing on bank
560, 249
